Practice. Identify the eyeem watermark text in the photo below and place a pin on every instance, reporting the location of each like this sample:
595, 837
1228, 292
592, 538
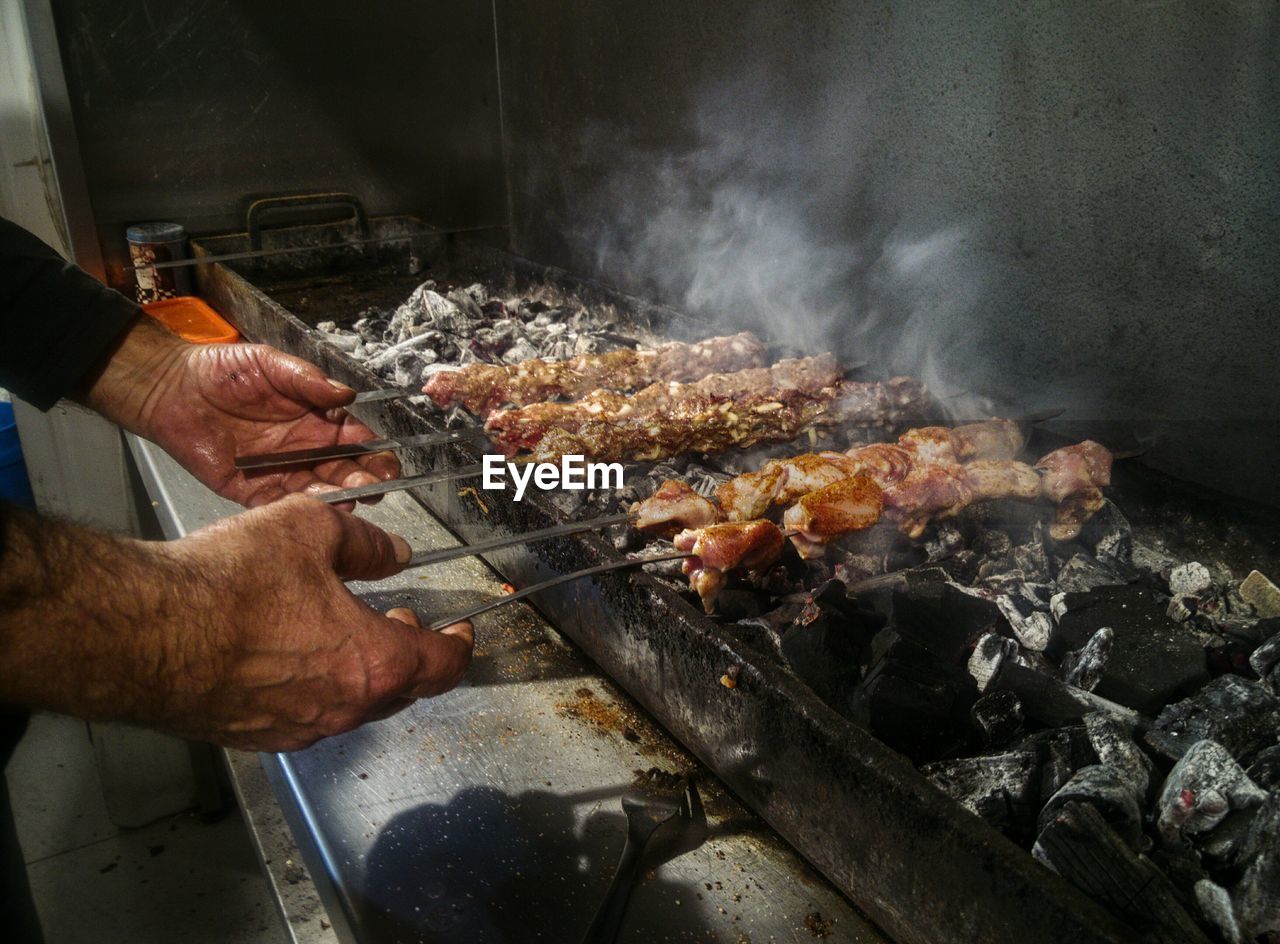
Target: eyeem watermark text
573, 473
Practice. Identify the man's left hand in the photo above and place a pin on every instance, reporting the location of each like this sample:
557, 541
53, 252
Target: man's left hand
207, 404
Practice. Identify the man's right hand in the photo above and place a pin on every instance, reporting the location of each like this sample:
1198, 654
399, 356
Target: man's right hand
241, 634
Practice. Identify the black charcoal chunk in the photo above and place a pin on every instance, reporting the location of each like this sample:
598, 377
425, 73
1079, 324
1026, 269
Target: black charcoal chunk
912, 700
1257, 894
1109, 791
1083, 573
1031, 626
1265, 660
1109, 535
1265, 769
1043, 697
1216, 906
827, 649
1084, 667
1114, 745
1238, 714
1063, 752
1201, 789
1079, 845
1153, 659
997, 717
1000, 788
939, 616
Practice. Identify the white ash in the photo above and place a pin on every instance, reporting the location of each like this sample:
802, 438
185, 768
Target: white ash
1191, 579
1215, 905
444, 330
1203, 786
1083, 668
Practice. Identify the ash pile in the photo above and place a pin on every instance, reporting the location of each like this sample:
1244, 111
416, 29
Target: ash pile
442, 328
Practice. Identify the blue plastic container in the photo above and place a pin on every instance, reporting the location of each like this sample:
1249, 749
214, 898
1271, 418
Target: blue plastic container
14, 485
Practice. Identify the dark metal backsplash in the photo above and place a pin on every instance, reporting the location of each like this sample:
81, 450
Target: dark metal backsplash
1069, 204
1056, 204
185, 110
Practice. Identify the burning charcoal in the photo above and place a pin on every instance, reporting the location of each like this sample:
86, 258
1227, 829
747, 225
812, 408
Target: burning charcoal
1201, 789
1239, 715
1000, 788
946, 540
993, 543
826, 648
1257, 894
344, 342
1215, 904
1190, 580
1082, 574
1153, 659
1110, 791
1065, 751
466, 304
994, 667
997, 717
940, 616
737, 604
1221, 847
1265, 660
1261, 594
1181, 609
1079, 845
989, 654
1083, 667
912, 700
1031, 627
1115, 748
521, 350
1265, 769
1109, 535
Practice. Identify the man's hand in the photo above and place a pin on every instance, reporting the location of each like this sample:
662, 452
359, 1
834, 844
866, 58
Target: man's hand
241, 634
207, 404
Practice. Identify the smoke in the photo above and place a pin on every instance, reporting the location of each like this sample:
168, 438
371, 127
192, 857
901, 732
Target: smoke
750, 229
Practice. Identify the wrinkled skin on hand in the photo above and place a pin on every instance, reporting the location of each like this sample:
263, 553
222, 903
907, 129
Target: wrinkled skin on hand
281, 653
240, 399
205, 404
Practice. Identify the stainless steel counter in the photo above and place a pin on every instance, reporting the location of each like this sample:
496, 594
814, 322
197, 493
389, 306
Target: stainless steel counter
492, 813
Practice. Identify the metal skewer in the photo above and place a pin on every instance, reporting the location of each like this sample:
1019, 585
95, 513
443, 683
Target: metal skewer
272, 460
423, 558
396, 485
555, 582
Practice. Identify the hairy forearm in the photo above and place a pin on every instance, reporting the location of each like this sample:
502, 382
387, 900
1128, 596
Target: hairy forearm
87, 620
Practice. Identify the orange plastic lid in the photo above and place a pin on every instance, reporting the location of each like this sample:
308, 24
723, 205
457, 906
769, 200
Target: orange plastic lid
191, 319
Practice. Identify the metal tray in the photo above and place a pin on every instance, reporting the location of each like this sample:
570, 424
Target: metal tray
917, 864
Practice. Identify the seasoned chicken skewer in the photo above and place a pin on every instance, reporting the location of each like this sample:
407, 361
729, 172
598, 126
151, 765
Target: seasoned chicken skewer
1072, 478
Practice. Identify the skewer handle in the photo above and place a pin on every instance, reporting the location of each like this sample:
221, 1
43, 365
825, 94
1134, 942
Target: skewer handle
423, 558
440, 624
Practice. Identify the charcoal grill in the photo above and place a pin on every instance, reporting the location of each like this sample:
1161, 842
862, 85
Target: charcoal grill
858, 810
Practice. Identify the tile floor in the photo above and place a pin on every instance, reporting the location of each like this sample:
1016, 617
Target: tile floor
178, 879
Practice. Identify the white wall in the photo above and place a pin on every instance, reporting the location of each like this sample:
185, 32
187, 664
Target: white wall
28, 192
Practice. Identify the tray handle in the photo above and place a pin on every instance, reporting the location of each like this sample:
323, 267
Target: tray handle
308, 201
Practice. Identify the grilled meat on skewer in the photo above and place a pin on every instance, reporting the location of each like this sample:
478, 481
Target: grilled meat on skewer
720, 548
516, 429
672, 508
484, 387
783, 481
711, 424
1073, 479
852, 504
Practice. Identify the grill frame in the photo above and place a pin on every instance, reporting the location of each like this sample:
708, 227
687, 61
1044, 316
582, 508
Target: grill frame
922, 868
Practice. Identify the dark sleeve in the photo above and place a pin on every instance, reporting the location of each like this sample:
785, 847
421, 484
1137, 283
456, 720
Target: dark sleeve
58, 324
